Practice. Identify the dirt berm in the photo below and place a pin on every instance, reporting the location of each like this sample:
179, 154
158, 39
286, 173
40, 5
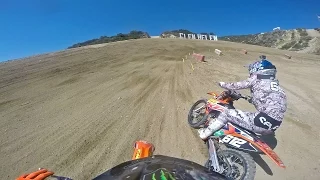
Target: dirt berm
79, 111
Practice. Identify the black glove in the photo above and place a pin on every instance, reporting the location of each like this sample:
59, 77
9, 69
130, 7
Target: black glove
223, 95
235, 94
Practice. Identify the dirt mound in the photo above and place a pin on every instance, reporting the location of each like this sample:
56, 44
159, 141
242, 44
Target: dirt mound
78, 112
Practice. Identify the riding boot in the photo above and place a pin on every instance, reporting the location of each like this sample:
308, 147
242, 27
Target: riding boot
204, 133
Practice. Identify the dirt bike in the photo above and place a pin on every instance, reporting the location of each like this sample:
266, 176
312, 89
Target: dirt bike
142, 149
228, 146
142, 157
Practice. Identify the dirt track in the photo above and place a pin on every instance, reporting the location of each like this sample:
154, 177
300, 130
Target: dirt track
78, 112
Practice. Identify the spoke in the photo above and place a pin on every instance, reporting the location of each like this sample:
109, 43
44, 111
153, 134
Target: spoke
234, 166
235, 161
199, 108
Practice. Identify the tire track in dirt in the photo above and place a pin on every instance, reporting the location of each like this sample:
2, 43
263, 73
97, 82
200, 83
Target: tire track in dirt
146, 93
78, 112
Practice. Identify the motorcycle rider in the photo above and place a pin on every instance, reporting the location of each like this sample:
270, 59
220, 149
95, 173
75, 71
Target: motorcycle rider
267, 96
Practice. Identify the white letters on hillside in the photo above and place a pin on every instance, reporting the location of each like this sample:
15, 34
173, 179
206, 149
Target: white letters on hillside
199, 36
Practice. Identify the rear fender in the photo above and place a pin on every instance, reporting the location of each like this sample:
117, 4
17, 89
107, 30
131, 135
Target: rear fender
263, 147
240, 139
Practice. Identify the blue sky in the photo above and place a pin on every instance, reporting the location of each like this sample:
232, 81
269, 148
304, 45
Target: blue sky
31, 27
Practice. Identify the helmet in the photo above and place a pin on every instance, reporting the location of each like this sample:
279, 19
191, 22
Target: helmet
262, 57
262, 67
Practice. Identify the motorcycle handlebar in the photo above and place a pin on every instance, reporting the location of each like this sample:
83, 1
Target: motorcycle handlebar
247, 98
235, 95
244, 97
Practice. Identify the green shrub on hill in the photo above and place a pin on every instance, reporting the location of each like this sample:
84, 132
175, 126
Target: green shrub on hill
118, 37
302, 32
288, 45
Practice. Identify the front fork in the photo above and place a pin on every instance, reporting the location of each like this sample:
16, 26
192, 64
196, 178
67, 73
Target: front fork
213, 158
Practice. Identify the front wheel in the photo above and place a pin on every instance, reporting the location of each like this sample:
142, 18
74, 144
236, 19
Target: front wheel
197, 115
235, 164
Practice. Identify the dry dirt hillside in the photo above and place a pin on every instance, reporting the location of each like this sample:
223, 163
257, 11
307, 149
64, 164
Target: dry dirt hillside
299, 40
79, 111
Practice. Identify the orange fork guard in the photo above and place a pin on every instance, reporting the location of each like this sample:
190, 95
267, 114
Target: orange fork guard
142, 149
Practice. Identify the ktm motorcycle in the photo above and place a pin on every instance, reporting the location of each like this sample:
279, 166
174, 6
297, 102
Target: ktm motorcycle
145, 165
229, 146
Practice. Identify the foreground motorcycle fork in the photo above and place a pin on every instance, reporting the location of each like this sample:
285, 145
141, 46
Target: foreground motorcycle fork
213, 156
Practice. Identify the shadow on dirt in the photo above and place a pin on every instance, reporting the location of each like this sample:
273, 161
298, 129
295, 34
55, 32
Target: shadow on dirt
272, 142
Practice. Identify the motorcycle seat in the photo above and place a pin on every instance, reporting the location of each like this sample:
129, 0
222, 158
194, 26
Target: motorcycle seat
242, 128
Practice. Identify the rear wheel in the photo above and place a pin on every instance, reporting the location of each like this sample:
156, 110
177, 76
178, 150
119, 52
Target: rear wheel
197, 115
235, 164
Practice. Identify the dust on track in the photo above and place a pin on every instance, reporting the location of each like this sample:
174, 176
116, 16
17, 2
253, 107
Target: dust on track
79, 111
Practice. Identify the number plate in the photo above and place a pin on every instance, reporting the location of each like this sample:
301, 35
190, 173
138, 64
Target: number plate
234, 141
